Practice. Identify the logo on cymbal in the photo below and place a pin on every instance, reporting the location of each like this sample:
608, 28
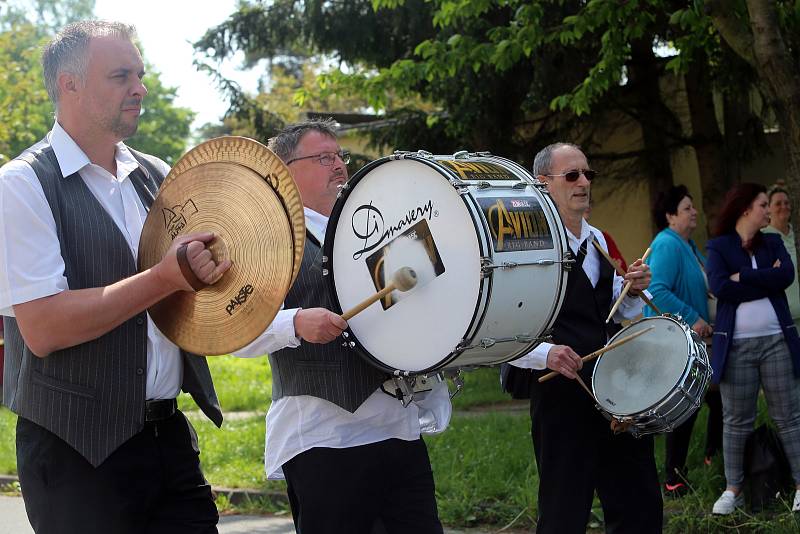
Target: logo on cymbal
175, 217
239, 299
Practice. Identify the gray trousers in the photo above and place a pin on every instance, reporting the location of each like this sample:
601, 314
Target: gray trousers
753, 363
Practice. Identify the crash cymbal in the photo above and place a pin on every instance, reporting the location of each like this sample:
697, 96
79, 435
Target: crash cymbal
252, 229
255, 156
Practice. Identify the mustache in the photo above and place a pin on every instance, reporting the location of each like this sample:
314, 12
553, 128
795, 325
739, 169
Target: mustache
134, 102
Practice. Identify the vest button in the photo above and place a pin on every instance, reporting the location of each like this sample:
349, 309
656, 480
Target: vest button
139, 321
139, 371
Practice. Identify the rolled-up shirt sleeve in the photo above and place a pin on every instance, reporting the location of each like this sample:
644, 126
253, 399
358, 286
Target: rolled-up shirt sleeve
31, 265
278, 335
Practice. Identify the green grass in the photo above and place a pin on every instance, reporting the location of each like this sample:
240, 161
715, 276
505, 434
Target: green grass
242, 384
8, 433
484, 471
481, 387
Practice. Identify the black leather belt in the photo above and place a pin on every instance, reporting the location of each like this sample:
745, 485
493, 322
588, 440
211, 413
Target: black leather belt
159, 409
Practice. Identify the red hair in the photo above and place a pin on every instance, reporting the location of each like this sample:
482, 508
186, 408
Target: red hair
737, 201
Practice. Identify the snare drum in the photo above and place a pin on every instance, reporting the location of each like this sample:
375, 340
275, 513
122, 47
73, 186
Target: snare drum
485, 241
655, 381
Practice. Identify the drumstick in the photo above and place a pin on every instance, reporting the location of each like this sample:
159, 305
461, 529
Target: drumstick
625, 290
403, 279
620, 272
595, 354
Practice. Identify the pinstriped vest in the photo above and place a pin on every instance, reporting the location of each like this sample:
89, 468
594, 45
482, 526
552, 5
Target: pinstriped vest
331, 371
92, 395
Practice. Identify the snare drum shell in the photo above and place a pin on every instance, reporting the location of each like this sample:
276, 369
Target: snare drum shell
655, 381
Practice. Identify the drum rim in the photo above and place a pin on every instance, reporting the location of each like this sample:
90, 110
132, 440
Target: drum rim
327, 260
686, 369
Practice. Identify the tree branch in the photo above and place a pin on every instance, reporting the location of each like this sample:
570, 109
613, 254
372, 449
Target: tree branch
734, 30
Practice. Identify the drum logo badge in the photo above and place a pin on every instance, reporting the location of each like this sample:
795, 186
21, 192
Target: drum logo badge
517, 224
175, 217
370, 228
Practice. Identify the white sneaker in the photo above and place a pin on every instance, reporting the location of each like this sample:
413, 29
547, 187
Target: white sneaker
728, 502
796, 504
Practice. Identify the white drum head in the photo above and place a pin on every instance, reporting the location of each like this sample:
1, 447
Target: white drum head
639, 374
405, 213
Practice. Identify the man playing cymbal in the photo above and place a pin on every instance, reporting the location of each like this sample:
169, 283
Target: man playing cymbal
101, 446
577, 453
351, 454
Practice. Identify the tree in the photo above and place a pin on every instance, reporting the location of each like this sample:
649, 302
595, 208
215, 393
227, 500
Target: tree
163, 127
513, 75
26, 113
765, 35
25, 110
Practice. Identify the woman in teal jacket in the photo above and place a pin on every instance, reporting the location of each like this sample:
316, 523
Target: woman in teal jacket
679, 287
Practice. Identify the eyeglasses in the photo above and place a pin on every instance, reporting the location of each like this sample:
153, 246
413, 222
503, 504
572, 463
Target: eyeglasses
573, 175
326, 158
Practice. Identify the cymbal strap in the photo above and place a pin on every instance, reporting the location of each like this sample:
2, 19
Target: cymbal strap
186, 269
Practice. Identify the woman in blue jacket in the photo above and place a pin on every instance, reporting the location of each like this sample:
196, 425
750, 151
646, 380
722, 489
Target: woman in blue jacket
755, 340
679, 287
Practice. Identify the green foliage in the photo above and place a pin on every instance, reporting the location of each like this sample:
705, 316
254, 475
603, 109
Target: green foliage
163, 127
26, 113
25, 110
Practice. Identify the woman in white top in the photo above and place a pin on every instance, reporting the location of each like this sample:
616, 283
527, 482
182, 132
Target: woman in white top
780, 210
755, 341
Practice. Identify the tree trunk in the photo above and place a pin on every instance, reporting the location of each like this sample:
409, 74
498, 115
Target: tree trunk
781, 77
707, 139
655, 118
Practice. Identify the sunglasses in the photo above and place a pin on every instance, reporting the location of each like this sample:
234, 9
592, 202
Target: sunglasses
573, 175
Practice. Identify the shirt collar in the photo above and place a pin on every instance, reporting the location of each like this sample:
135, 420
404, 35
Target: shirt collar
586, 230
316, 223
71, 158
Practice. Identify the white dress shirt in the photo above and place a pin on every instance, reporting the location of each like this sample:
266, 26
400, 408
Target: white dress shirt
31, 266
630, 307
298, 423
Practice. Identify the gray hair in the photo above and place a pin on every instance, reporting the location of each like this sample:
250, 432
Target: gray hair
67, 51
544, 159
285, 142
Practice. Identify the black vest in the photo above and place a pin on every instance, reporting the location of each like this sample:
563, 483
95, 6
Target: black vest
92, 395
331, 371
580, 324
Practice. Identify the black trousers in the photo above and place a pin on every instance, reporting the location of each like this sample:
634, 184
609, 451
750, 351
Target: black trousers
335, 491
577, 454
677, 442
152, 484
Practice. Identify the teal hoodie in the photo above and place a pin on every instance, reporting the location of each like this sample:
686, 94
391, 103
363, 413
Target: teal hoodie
678, 285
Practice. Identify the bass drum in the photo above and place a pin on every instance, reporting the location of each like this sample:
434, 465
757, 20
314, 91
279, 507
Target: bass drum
485, 241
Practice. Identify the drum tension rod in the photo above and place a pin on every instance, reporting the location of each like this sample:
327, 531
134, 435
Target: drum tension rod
487, 265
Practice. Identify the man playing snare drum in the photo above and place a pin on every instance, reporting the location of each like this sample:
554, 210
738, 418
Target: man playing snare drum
352, 455
576, 451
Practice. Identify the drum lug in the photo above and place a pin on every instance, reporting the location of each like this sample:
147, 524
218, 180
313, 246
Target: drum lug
566, 261
487, 342
461, 154
519, 185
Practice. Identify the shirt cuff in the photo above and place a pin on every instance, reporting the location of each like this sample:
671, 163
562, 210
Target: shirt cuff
278, 335
535, 359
